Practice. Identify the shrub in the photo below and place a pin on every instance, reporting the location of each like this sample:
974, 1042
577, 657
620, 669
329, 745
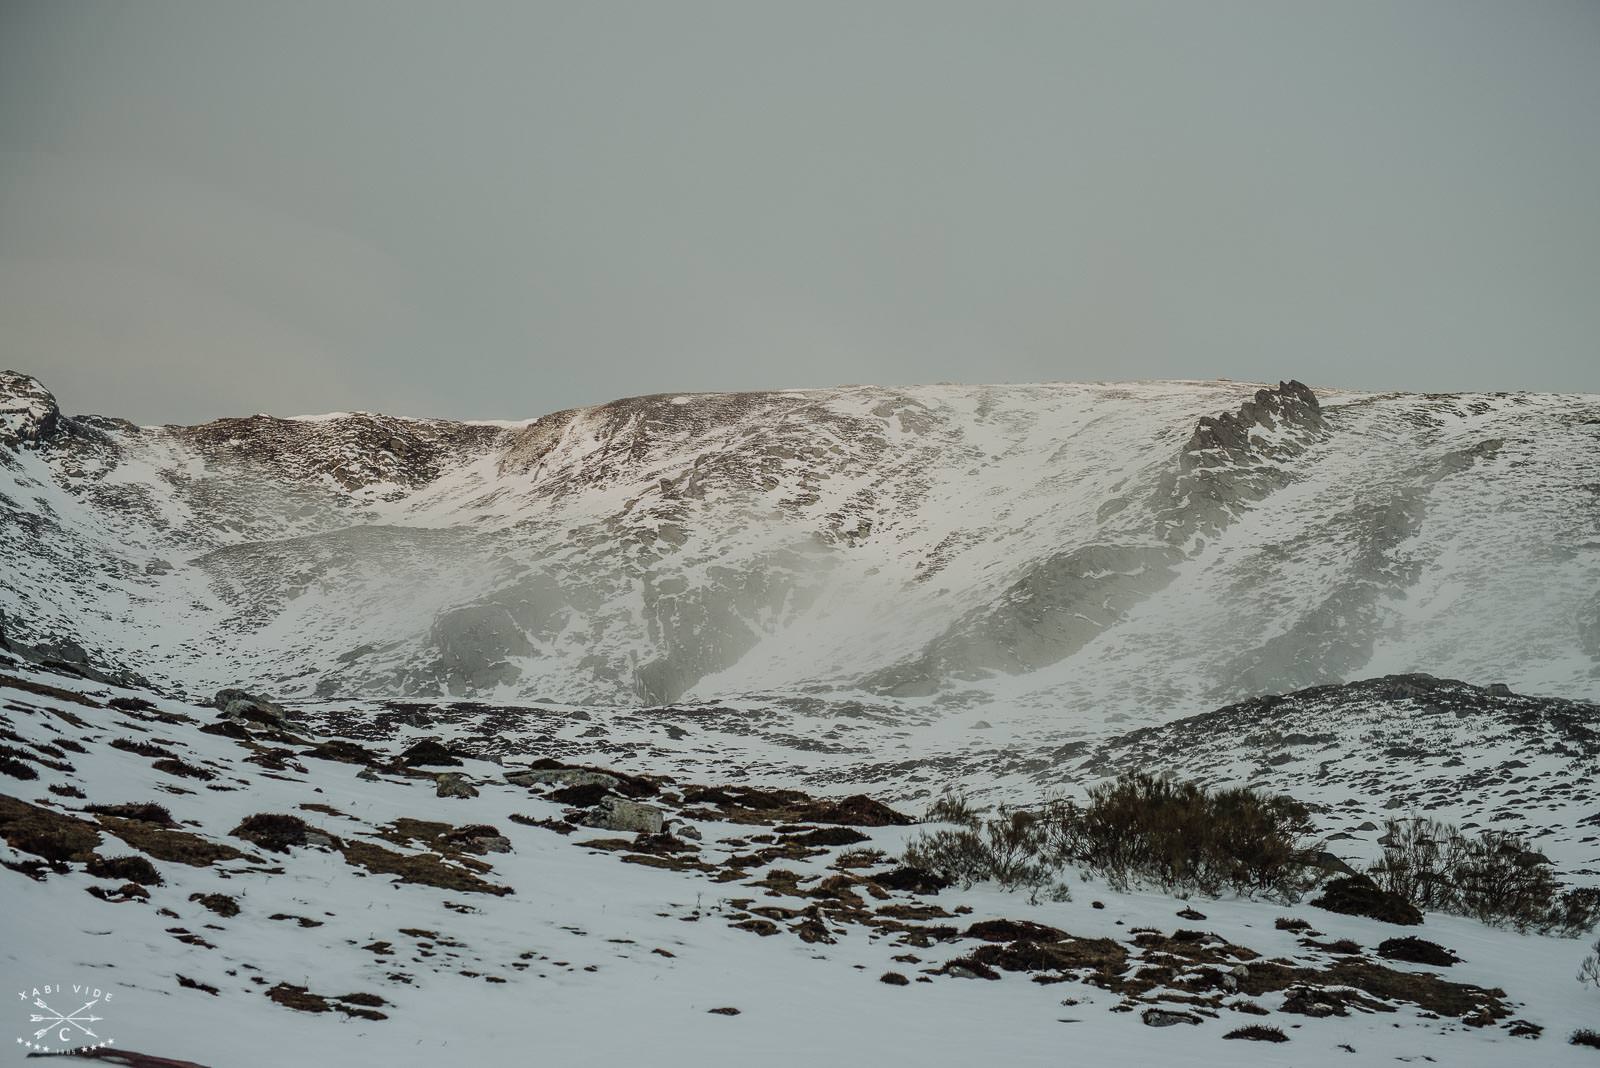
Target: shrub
272, 830
1009, 849
1418, 862
1357, 895
1258, 1033
1590, 971
1183, 837
1416, 951
1585, 1037
1496, 878
146, 811
953, 808
128, 869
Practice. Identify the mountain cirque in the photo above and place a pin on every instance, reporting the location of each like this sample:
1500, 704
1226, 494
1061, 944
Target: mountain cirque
1081, 550
620, 714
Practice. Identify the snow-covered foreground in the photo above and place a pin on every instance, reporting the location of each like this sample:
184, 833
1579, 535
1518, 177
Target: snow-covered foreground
593, 959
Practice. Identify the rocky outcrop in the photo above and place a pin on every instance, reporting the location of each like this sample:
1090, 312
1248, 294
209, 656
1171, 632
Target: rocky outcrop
28, 411
1067, 600
474, 644
353, 451
248, 708
1235, 459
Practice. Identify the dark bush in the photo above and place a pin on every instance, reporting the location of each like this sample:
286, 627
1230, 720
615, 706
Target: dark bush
272, 831
129, 869
953, 808
1357, 895
584, 795
144, 749
222, 904
144, 811
1010, 849
431, 752
1416, 951
1589, 972
912, 880
183, 769
1258, 1033
1585, 1037
1495, 877
11, 763
1182, 837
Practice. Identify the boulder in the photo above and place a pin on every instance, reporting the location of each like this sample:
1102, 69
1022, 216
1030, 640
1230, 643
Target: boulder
616, 814
561, 777
453, 784
430, 751
239, 705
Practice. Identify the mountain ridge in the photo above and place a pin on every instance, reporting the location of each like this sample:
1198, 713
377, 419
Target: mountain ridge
1054, 544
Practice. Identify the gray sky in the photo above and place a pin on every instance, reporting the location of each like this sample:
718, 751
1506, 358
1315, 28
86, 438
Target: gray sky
483, 209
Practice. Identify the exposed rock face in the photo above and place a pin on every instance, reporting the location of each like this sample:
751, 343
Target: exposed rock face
1069, 599
28, 411
473, 644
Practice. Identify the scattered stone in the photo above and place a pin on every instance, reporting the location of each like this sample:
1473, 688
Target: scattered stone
726, 1010
562, 777
616, 814
243, 707
453, 784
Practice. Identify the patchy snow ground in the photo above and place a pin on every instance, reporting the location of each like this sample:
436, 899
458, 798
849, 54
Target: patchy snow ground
594, 960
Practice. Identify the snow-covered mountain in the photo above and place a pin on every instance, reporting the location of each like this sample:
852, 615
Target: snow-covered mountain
1098, 551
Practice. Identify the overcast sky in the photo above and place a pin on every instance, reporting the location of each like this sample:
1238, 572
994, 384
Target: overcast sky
498, 210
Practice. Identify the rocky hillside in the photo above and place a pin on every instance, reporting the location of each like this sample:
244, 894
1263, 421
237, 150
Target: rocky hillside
1091, 553
418, 883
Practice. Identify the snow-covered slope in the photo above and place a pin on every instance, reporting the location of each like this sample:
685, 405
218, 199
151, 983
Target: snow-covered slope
409, 921
1080, 553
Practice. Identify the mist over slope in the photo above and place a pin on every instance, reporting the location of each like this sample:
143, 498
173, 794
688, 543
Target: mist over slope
1115, 550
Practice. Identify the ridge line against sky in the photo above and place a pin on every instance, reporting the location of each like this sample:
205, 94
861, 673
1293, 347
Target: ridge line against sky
498, 210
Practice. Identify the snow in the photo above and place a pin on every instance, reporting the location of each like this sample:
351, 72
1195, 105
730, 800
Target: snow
799, 1004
